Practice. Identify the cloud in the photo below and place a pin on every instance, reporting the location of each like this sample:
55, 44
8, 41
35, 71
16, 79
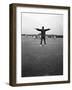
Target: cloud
32, 20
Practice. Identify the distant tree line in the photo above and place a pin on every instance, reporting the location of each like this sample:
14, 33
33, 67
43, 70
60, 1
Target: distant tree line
47, 35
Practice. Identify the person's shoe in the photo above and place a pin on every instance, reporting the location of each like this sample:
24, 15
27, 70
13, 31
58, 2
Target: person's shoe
40, 44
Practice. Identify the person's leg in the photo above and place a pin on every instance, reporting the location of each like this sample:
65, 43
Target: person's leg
41, 41
44, 40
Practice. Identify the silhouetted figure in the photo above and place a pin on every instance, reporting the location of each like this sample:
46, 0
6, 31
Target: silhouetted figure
42, 34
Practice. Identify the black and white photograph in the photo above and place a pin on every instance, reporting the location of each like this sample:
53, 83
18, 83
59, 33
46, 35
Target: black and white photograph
41, 44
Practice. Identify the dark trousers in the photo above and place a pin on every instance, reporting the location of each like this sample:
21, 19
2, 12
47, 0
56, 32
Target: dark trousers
43, 39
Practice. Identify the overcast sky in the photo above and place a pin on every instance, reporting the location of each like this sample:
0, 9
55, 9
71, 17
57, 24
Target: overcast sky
30, 21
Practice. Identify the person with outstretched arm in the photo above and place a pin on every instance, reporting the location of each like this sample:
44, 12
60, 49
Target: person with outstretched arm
43, 34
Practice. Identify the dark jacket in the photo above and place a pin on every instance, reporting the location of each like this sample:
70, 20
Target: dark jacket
42, 32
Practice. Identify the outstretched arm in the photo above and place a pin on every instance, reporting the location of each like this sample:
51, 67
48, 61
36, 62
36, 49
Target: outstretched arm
47, 29
38, 29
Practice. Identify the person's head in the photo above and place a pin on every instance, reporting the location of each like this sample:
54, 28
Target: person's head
42, 27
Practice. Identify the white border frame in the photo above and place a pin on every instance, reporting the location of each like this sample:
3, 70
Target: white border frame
63, 77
